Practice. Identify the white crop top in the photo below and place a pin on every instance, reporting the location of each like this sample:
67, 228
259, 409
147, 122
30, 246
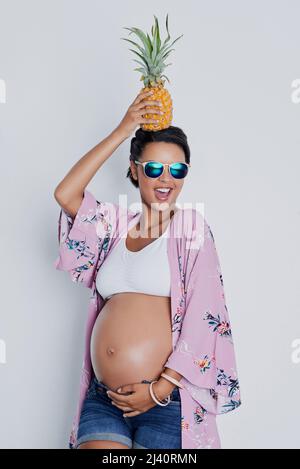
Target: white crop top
145, 271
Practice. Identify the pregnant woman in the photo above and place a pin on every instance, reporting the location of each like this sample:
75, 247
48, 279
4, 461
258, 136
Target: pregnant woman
131, 397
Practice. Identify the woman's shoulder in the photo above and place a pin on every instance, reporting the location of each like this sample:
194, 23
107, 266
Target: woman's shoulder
112, 218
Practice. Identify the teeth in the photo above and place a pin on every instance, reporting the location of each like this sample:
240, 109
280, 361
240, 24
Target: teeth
163, 190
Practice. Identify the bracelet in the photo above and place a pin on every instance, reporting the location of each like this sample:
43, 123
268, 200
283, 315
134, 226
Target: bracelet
154, 397
172, 380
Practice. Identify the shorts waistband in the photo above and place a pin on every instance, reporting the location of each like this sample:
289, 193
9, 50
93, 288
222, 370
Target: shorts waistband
175, 394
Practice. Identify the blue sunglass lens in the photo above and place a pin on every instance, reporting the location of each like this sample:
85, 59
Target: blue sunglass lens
154, 170
179, 170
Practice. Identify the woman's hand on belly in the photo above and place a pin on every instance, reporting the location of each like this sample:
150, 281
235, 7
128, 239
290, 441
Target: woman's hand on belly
133, 404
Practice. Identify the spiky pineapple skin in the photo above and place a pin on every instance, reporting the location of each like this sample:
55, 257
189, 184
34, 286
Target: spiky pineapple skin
160, 93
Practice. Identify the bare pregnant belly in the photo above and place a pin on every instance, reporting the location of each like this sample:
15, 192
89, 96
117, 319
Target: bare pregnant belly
131, 339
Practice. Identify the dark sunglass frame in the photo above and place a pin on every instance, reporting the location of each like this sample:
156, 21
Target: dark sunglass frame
144, 163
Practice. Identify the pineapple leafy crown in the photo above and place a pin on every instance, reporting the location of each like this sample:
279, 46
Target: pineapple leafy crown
153, 54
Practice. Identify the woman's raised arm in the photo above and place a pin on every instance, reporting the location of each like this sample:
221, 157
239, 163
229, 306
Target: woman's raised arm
69, 192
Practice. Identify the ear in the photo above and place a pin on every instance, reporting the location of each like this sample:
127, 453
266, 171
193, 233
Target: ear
133, 168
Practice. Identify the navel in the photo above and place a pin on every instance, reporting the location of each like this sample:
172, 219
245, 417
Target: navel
110, 350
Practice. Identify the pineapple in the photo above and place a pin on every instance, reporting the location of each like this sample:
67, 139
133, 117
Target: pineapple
153, 56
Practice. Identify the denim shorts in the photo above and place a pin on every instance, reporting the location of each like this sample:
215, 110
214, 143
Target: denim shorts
158, 427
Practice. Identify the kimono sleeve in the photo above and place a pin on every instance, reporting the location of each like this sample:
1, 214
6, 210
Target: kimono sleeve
82, 238
204, 352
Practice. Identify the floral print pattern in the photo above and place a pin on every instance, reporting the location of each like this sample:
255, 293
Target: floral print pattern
221, 327
204, 364
199, 414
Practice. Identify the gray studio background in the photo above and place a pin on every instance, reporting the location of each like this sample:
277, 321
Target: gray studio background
67, 79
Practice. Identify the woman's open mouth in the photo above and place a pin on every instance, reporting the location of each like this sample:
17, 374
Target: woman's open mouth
162, 193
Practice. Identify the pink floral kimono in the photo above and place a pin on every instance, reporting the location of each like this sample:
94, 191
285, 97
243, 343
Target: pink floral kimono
203, 349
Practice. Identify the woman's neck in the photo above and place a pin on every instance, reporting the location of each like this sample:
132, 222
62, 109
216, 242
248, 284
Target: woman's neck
154, 222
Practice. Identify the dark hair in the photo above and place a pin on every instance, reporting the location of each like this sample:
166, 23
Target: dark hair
171, 134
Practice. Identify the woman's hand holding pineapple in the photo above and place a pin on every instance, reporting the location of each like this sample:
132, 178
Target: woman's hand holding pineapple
135, 112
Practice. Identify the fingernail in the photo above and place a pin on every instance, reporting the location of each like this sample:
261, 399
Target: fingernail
119, 390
